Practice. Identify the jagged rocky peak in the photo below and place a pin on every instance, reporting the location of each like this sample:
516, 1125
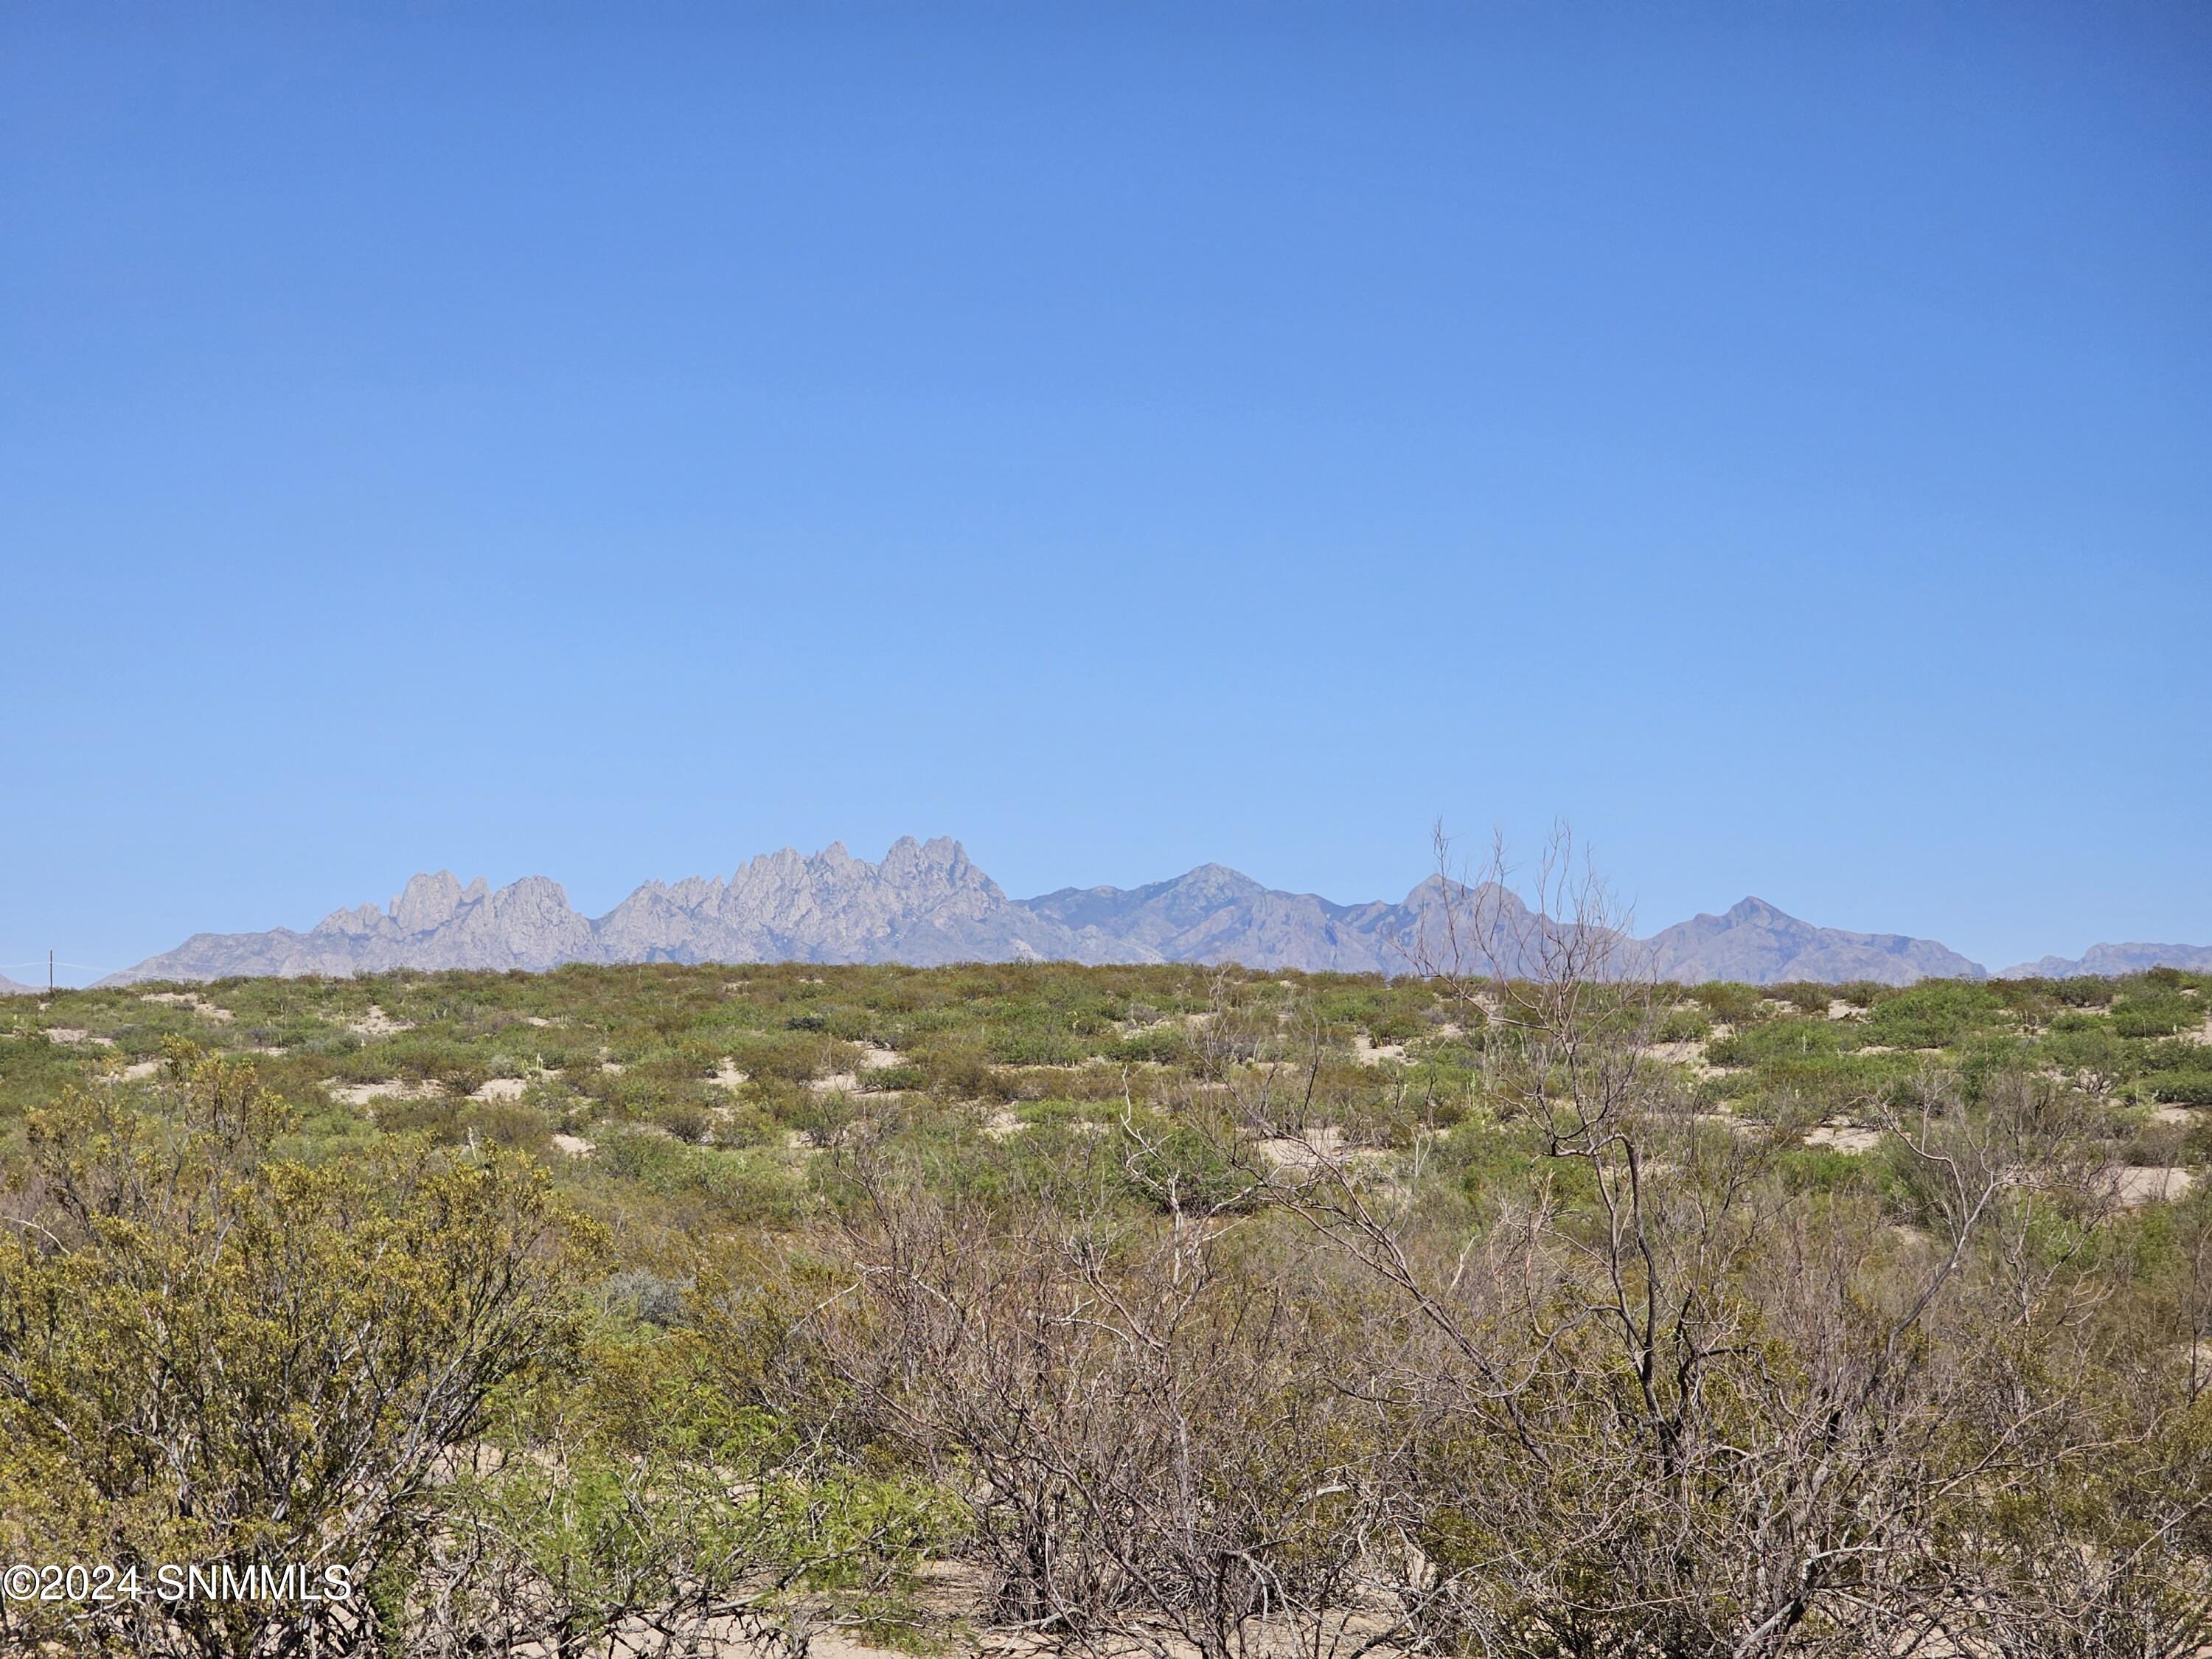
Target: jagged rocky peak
926, 902
362, 919
941, 864
431, 901
1757, 912
532, 896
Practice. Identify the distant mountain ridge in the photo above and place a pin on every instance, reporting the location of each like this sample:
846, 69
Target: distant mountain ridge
1755, 943
927, 903
2110, 960
9, 988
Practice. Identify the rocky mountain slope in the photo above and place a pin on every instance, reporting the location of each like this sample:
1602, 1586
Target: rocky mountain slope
9, 988
1756, 943
1215, 913
2116, 959
927, 903
921, 904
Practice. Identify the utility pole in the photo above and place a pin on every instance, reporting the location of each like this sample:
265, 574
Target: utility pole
49, 975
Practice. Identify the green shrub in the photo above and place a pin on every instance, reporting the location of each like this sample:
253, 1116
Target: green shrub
1728, 1001
1933, 1014
1806, 999
2150, 1015
2181, 1088
686, 1120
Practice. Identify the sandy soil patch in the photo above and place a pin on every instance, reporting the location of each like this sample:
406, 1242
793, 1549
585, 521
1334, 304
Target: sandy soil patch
193, 1000
500, 1088
1001, 1124
728, 1076
73, 1036
1309, 1153
1368, 1053
1731, 1122
1690, 1056
2151, 1184
2201, 1036
366, 1094
573, 1145
1303, 1153
376, 1023
538, 1020
1844, 1135
1839, 1009
2173, 1114
875, 1059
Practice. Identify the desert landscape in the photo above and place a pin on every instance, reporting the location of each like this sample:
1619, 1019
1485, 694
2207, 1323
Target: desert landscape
1105, 829
1171, 1308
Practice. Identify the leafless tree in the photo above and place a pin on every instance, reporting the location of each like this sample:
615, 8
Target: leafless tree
1692, 1410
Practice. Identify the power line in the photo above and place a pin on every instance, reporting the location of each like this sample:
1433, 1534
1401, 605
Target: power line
50, 964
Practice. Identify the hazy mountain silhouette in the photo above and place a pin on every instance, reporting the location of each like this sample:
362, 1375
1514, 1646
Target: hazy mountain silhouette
927, 902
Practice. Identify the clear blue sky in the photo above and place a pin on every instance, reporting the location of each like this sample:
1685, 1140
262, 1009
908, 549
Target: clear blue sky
613, 440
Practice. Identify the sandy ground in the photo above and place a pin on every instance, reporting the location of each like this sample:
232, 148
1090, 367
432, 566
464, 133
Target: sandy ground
74, 1038
1304, 1155
573, 1145
2151, 1184
366, 1094
1844, 1135
376, 1023
193, 1000
501, 1088
873, 1058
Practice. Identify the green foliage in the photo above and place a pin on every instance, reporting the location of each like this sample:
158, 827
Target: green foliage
1934, 1014
2156, 1014
647, 1485
210, 1353
633, 1246
1730, 1002
1806, 999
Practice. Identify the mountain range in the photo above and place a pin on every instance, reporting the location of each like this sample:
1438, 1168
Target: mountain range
927, 903
2110, 960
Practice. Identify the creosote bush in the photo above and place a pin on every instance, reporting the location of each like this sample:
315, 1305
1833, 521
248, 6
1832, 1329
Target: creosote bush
1164, 1309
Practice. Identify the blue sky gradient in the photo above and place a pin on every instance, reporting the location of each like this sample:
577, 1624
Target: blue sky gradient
610, 441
